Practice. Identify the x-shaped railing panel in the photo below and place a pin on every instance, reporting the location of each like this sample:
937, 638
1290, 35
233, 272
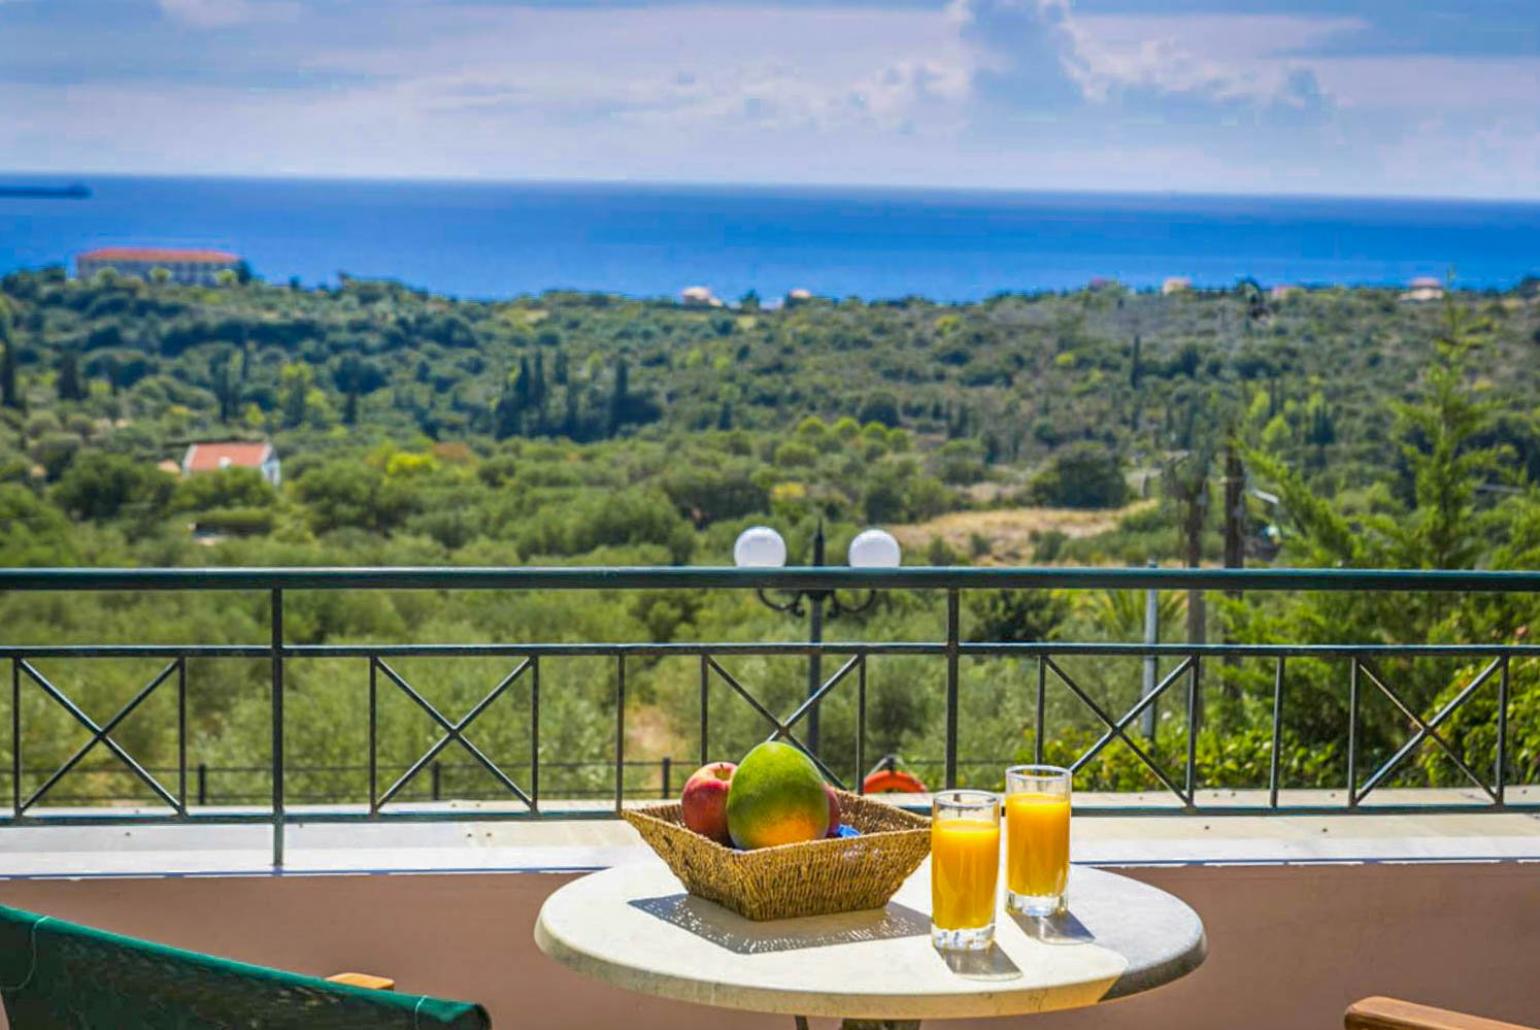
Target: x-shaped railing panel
1116, 728
783, 727
1427, 729
453, 732
102, 734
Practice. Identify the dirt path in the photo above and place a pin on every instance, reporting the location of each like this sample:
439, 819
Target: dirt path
1010, 532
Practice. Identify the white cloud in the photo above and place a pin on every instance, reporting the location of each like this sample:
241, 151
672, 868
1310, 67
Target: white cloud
221, 13
676, 67
1484, 87
1032, 52
1022, 93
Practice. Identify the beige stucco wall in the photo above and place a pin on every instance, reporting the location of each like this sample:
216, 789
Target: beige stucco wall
1289, 947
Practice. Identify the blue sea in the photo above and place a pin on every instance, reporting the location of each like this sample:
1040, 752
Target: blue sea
503, 239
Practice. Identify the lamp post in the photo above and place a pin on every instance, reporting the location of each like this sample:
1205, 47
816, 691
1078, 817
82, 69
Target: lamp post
763, 548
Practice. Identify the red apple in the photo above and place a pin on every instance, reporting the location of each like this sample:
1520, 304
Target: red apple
705, 800
834, 811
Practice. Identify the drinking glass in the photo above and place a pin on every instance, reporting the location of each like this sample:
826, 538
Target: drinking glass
964, 869
1037, 800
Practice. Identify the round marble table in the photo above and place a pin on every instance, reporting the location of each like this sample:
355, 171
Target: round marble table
634, 927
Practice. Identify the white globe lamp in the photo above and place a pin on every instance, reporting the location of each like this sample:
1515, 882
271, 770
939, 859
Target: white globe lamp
874, 549
759, 547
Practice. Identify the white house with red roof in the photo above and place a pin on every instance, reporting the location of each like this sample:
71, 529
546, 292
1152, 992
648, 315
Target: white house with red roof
189, 267
211, 457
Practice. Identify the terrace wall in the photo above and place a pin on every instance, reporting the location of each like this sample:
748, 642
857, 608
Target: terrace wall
1289, 946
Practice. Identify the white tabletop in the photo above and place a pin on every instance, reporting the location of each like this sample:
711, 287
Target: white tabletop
634, 927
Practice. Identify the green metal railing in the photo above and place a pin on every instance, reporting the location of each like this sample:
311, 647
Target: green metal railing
384, 804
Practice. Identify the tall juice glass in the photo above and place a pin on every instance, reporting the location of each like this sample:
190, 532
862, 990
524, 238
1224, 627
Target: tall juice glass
964, 869
1037, 799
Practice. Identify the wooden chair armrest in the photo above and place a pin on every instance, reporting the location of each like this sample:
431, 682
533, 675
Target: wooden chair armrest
1394, 1014
373, 983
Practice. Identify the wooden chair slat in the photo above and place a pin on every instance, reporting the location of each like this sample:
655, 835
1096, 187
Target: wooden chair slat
1394, 1014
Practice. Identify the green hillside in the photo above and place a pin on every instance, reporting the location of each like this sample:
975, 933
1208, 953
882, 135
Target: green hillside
589, 429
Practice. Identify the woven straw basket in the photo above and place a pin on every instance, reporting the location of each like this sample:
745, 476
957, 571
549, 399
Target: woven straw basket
839, 874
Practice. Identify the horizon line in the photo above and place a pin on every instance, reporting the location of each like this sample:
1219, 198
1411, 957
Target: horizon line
10, 177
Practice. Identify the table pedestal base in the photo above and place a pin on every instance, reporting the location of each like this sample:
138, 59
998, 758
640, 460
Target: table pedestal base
869, 1024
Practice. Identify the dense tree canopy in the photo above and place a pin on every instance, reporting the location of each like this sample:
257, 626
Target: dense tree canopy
570, 428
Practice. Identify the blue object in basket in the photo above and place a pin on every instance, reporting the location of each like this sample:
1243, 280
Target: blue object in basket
847, 831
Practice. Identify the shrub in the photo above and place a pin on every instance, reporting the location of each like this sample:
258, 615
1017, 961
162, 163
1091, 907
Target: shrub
224, 488
99, 486
880, 407
709, 494
1083, 475
236, 521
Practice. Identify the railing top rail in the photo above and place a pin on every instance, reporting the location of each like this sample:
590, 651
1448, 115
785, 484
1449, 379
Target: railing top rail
827, 578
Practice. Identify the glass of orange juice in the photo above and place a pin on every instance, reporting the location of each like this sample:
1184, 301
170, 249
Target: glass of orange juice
964, 869
1037, 799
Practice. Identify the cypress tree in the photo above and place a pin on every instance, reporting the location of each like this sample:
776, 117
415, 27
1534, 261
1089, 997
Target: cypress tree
510, 406
572, 420
10, 396
537, 390
69, 384
618, 401
226, 391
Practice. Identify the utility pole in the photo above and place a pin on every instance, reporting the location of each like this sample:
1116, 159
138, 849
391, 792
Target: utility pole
815, 637
1235, 536
1235, 512
1195, 518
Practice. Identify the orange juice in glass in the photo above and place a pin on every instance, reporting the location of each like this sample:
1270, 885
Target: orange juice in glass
964, 869
1037, 799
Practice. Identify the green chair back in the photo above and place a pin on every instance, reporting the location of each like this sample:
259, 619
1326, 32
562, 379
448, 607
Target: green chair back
56, 975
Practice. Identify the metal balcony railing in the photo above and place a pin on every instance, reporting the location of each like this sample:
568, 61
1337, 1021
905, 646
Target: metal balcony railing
386, 800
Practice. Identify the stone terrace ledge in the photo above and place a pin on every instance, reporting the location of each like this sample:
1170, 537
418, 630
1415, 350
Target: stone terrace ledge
557, 844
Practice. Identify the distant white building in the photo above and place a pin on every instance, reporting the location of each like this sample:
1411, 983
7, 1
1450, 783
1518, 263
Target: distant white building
1175, 284
699, 297
189, 267
211, 457
1424, 288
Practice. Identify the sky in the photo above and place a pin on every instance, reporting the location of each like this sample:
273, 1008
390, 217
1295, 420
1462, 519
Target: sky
1373, 97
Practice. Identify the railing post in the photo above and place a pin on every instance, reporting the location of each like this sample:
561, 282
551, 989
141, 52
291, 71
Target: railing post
860, 776
16, 738
374, 719
952, 634
534, 732
181, 732
1501, 760
705, 685
666, 790
1272, 769
1194, 716
814, 670
1151, 663
620, 732
1041, 715
277, 655
203, 784
1352, 755
436, 779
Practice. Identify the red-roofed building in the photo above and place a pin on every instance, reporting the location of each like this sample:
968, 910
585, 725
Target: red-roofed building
190, 267
211, 457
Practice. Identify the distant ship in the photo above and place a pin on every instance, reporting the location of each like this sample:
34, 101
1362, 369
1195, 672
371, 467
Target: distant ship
75, 191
